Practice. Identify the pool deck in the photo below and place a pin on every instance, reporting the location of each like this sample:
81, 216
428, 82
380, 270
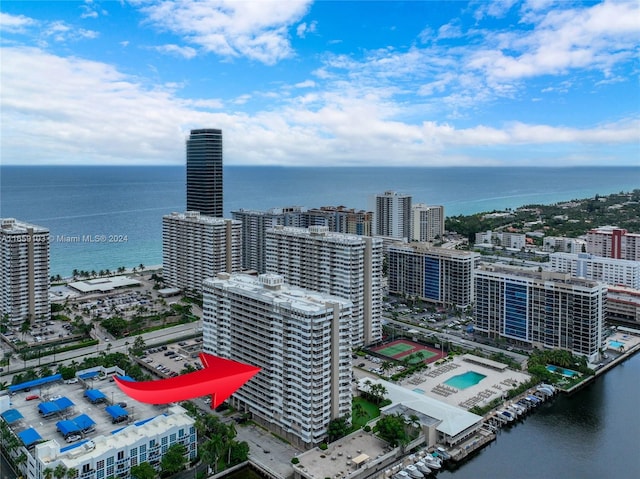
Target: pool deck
494, 385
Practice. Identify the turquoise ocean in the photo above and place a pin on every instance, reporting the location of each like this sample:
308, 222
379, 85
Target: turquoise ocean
126, 204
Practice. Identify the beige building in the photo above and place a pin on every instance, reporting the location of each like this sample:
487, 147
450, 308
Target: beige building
428, 222
438, 275
348, 266
24, 271
197, 247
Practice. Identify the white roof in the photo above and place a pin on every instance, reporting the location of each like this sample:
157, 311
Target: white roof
103, 284
453, 419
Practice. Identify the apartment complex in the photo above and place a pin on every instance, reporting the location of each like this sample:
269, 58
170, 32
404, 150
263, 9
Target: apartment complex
614, 272
204, 172
503, 240
24, 271
623, 305
562, 244
391, 214
438, 275
302, 341
347, 266
612, 242
339, 219
254, 232
196, 247
541, 309
428, 222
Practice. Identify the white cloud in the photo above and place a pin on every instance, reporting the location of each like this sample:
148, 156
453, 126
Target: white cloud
305, 84
185, 52
256, 30
597, 37
305, 28
15, 23
89, 112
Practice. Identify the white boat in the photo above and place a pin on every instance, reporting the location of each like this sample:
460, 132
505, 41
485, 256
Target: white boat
401, 475
432, 461
414, 472
422, 467
442, 452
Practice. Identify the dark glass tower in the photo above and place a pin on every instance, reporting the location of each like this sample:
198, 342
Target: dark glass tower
204, 172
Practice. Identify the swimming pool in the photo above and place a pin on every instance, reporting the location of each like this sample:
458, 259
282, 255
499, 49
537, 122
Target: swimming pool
418, 390
466, 380
565, 372
615, 344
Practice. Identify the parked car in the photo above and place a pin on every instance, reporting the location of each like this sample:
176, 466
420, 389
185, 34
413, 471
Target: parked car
32, 397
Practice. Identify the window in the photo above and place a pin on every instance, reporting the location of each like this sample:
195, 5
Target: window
110, 461
100, 464
120, 455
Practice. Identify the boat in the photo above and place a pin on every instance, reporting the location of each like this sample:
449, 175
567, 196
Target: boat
441, 451
414, 472
422, 467
401, 475
507, 415
432, 461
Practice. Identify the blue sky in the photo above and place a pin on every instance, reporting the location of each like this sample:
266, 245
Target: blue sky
329, 83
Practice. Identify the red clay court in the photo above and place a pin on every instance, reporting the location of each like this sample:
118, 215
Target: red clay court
402, 348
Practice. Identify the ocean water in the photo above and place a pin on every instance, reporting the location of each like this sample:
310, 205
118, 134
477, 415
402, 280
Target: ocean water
116, 212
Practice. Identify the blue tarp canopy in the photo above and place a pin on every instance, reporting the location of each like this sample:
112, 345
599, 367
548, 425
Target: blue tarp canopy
89, 375
94, 395
29, 436
67, 427
116, 411
84, 422
126, 378
74, 445
64, 403
11, 415
48, 408
35, 383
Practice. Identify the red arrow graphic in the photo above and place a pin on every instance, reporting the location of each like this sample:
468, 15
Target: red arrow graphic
220, 378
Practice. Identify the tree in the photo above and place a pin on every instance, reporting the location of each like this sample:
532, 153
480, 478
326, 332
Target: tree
72, 473
60, 471
238, 452
138, 347
144, 470
337, 428
173, 460
210, 452
392, 429
47, 473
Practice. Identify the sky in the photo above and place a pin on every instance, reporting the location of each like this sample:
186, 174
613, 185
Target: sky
324, 83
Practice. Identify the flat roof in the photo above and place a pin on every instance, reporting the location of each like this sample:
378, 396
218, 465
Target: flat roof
83, 412
102, 285
453, 420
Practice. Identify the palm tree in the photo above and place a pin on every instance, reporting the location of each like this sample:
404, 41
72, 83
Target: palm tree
48, 473
60, 471
72, 473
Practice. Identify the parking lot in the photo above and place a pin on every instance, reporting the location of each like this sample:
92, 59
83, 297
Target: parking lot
170, 360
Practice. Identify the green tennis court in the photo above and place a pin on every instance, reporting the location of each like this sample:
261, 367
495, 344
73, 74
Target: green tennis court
394, 349
418, 356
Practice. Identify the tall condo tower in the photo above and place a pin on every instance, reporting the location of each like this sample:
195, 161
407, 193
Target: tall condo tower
196, 247
391, 214
297, 337
343, 265
204, 172
24, 271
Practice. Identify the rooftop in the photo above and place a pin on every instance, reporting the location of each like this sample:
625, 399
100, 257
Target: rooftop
102, 285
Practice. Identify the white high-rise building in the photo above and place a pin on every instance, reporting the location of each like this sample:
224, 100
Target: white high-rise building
344, 265
391, 214
439, 275
254, 231
541, 309
24, 271
428, 222
301, 341
614, 272
196, 247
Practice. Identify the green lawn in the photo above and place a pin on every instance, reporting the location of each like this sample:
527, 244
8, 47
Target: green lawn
371, 409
